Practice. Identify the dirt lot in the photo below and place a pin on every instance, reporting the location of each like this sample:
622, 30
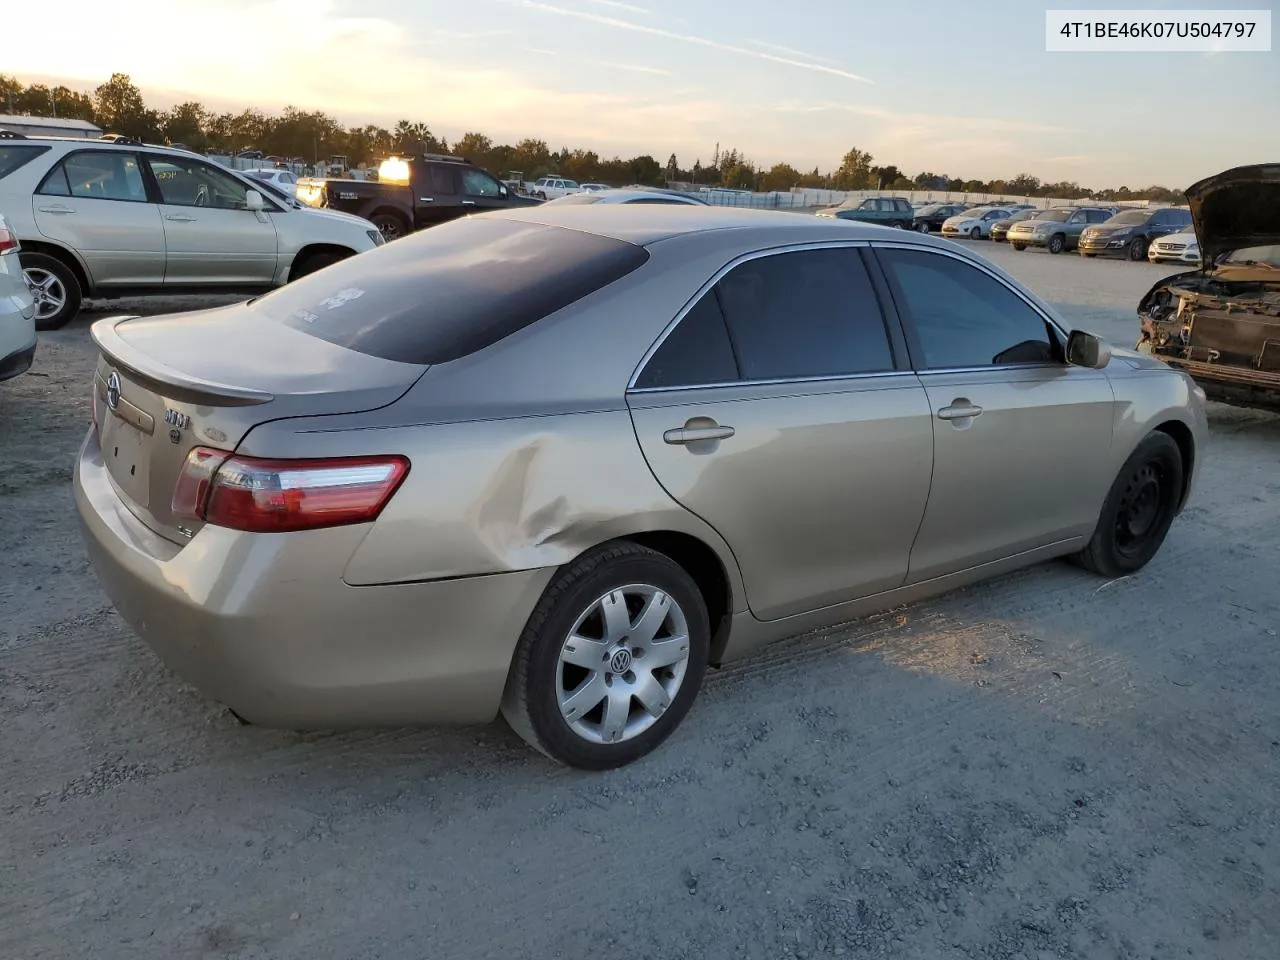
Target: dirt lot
1046, 766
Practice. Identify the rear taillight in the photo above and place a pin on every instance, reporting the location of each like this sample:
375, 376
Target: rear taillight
278, 496
8, 240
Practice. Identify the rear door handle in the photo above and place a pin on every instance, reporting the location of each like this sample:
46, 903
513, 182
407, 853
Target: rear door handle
57, 209
181, 218
682, 435
960, 410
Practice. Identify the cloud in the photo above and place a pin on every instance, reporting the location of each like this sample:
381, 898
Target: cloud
904, 118
468, 34
619, 24
619, 5
790, 51
603, 64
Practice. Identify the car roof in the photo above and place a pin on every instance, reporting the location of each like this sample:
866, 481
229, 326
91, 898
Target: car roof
646, 223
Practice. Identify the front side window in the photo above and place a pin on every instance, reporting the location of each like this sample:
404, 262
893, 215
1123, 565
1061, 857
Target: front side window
97, 175
962, 316
478, 184
193, 183
810, 313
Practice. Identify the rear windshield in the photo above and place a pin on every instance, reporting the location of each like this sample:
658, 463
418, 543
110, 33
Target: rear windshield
451, 290
14, 155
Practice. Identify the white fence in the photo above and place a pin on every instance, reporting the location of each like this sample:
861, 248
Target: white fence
806, 198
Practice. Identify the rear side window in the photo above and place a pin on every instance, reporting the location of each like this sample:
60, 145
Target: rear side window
441, 180
696, 353
809, 313
15, 155
449, 291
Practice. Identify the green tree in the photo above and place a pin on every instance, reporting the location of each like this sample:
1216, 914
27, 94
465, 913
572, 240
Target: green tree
854, 172
118, 107
186, 123
781, 176
646, 170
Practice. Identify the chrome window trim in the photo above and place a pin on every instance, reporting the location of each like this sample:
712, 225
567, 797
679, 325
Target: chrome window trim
826, 245
716, 278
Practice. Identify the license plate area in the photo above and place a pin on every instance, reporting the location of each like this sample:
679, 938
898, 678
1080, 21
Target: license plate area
127, 453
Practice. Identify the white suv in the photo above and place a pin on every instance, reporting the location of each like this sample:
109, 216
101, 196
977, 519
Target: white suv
549, 188
17, 310
116, 218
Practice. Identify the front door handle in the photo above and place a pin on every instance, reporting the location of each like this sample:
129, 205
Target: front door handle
682, 435
468, 203
960, 409
181, 218
56, 209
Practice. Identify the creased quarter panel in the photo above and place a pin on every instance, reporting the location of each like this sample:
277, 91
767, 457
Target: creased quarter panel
499, 495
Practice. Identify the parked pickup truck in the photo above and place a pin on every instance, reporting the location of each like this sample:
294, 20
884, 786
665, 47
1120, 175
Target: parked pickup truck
413, 193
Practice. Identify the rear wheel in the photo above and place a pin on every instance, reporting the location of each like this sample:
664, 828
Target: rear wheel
922, 227
1089, 255
1138, 249
611, 659
1138, 511
897, 225
975, 234
1057, 243
1018, 246
54, 288
392, 226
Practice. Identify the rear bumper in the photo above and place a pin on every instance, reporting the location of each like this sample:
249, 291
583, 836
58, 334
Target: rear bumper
266, 625
17, 362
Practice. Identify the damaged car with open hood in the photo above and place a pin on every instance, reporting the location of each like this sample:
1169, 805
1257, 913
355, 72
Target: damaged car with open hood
1221, 323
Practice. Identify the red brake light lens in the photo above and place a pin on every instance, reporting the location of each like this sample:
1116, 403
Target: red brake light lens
278, 496
8, 241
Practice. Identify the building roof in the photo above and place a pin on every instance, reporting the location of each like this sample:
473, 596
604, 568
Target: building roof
46, 123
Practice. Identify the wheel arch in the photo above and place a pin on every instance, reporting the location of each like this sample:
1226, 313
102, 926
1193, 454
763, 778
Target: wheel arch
63, 255
311, 249
1181, 435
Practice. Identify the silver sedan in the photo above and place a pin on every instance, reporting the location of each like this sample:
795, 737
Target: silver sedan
556, 462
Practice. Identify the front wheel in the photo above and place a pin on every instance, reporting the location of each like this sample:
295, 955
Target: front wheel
54, 288
611, 659
922, 227
1138, 249
1138, 511
391, 226
1057, 243
1018, 246
897, 225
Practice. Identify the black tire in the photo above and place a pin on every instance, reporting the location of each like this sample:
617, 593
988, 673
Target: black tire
1138, 511
1138, 249
1018, 246
318, 261
392, 226
1057, 243
922, 227
42, 268
1089, 255
975, 233
530, 705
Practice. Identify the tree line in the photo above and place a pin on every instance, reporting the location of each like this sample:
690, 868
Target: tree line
117, 106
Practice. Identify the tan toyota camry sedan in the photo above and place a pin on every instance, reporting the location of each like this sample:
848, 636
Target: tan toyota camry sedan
554, 462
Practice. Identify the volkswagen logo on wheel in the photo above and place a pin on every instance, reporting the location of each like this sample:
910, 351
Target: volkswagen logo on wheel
113, 391
620, 662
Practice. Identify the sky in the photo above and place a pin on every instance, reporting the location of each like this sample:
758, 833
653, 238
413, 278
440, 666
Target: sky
964, 89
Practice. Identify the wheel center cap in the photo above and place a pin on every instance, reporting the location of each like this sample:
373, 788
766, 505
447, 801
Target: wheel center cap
620, 662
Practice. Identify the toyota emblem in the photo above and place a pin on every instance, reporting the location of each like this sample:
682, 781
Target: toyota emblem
113, 391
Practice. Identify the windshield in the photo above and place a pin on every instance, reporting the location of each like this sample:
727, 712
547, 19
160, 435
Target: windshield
1129, 217
1026, 215
929, 209
1268, 254
1060, 214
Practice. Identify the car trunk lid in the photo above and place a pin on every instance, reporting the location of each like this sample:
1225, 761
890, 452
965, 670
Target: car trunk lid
164, 385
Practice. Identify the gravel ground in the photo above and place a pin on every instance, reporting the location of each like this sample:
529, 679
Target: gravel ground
1044, 766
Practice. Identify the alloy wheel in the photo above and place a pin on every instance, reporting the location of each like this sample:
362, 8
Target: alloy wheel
47, 291
622, 664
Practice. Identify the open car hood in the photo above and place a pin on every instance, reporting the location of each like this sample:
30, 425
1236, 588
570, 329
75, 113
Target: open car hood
1236, 209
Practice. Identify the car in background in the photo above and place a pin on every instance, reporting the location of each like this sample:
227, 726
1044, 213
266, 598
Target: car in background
630, 196
1175, 248
552, 188
586, 477
1000, 229
1130, 232
589, 187
283, 179
1221, 323
973, 224
930, 217
17, 308
1056, 229
111, 219
888, 211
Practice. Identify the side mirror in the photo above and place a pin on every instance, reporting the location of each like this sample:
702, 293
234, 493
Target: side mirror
253, 201
1086, 350
502, 191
